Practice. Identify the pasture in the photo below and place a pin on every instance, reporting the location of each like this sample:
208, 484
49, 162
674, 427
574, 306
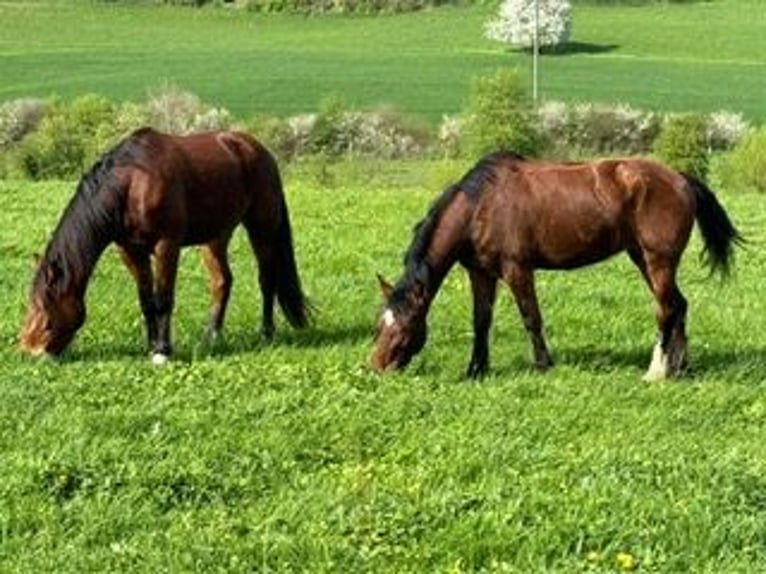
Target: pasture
292, 456
673, 57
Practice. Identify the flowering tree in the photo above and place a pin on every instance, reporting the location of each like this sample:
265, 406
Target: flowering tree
515, 22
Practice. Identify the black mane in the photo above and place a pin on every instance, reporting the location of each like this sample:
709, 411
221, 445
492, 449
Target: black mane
92, 218
473, 183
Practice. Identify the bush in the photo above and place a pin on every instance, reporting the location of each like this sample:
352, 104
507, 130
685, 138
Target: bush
173, 110
594, 129
64, 144
500, 116
725, 130
18, 118
682, 144
745, 167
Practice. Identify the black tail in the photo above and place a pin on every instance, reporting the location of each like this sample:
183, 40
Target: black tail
293, 302
718, 231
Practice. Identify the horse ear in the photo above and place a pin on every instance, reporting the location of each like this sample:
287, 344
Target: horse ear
385, 287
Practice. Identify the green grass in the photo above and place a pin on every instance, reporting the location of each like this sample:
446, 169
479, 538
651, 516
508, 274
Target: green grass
703, 56
294, 457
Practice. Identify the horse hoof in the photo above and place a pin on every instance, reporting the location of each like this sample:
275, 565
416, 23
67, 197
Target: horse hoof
159, 359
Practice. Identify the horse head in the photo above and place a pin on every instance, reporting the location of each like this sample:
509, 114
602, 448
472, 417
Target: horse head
56, 311
402, 328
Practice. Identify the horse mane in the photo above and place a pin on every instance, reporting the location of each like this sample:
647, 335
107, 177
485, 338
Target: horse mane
472, 184
91, 218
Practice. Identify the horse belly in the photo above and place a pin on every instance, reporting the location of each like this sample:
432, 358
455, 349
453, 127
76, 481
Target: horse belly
571, 247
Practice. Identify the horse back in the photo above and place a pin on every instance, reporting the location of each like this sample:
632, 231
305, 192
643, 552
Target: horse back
196, 187
551, 215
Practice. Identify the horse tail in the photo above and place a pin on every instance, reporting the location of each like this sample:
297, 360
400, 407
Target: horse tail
718, 232
292, 300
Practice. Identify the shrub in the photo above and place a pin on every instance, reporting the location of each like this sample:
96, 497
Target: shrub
588, 129
18, 118
515, 23
500, 116
682, 144
745, 167
64, 145
176, 111
450, 135
725, 130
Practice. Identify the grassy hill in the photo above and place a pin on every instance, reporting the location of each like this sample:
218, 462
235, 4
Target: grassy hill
701, 56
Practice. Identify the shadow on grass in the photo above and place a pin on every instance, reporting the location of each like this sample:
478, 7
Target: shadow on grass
231, 344
574, 49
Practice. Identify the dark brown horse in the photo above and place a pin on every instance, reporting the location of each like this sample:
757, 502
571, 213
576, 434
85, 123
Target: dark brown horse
151, 195
509, 216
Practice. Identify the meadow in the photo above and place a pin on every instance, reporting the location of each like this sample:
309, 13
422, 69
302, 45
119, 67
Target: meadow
673, 57
293, 456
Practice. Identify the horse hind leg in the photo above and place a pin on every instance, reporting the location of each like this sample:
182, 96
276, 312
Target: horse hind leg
267, 279
215, 257
669, 357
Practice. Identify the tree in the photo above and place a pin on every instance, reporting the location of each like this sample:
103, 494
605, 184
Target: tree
515, 23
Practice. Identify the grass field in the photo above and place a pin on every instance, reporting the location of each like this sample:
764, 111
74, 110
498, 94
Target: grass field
704, 56
294, 457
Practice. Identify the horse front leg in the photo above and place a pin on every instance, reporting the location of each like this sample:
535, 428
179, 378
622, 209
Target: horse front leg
484, 288
165, 269
522, 283
139, 264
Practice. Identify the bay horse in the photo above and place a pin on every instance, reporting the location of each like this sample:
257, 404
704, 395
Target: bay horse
509, 215
151, 195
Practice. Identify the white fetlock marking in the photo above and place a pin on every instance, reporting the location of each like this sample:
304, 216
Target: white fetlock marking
388, 318
159, 359
658, 369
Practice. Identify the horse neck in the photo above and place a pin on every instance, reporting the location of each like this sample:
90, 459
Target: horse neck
444, 248
78, 243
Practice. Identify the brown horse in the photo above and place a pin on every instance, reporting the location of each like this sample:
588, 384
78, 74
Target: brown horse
151, 195
509, 216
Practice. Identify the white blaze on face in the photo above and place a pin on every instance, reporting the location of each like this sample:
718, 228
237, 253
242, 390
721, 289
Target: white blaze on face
388, 318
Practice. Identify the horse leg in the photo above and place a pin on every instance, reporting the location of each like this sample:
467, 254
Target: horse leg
669, 354
216, 260
522, 283
166, 267
483, 287
140, 267
267, 279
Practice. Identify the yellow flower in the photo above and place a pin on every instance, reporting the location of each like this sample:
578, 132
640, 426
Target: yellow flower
625, 561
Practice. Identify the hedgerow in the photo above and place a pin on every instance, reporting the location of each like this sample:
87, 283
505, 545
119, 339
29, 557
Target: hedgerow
59, 139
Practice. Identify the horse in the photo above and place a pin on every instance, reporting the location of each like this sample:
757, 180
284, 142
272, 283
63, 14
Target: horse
510, 215
151, 195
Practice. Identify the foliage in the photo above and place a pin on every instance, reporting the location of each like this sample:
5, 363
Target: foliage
681, 144
292, 456
515, 23
342, 6
725, 130
177, 111
18, 118
574, 131
745, 167
337, 131
499, 115
64, 144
